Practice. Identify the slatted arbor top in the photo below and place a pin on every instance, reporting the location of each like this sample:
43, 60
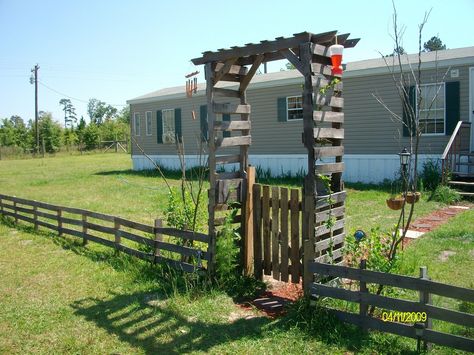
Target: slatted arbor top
248, 53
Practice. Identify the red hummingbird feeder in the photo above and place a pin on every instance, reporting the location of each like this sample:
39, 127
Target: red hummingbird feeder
336, 58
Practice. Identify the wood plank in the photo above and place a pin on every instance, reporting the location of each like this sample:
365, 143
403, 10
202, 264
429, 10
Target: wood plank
177, 265
322, 245
257, 231
99, 228
180, 249
102, 216
293, 59
329, 168
223, 69
248, 222
220, 220
232, 69
99, 240
74, 222
135, 225
231, 125
328, 116
324, 152
200, 237
328, 133
295, 235
335, 212
322, 69
246, 80
329, 101
321, 50
232, 175
325, 258
322, 200
234, 141
27, 210
400, 281
323, 229
136, 253
266, 230
275, 230
226, 92
254, 49
137, 238
320, 82
228, 159
284, 234
230, 109
73, 232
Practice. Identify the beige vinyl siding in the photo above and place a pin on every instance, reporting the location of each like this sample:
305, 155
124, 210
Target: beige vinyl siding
369, 128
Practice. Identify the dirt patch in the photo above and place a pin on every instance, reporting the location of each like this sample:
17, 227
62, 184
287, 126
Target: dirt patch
445, 254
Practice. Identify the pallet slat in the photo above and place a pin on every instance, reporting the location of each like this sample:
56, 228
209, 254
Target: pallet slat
328, 116
266, 230
231, 109
233, 141
231, 125
328, 133
284, 234
329, 168
295, 235
275, 235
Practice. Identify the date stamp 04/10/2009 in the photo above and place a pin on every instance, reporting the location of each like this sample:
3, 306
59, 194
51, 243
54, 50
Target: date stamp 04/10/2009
404, 317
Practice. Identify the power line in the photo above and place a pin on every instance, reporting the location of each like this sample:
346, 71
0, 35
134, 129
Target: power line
72, 97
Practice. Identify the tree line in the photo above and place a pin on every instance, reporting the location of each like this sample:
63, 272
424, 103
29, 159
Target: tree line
106, 124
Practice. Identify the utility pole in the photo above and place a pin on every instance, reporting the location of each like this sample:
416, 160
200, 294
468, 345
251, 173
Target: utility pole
35, 80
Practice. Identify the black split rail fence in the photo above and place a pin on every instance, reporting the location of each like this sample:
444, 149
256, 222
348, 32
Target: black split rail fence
182, 250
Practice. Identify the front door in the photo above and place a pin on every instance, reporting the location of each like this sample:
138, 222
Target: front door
471, 105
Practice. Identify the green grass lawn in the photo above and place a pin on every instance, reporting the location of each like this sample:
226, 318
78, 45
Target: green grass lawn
59, 297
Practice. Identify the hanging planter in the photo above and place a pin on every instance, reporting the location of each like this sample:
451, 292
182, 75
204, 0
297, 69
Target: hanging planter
395, 203
413, 197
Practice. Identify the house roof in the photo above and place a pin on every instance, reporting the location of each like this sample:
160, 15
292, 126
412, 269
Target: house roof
445, 58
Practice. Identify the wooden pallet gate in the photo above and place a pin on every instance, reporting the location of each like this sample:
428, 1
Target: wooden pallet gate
322, 136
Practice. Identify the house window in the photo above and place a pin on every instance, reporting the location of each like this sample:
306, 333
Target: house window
136, 124
432, 110
148, 123
169, 129
294, 107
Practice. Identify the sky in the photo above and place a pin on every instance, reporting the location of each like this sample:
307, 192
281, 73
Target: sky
117, 50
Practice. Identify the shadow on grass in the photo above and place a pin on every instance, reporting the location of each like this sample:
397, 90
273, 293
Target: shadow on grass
143, 322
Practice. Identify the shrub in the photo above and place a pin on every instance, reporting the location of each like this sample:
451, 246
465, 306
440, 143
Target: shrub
430, 176
227, 250
446, 195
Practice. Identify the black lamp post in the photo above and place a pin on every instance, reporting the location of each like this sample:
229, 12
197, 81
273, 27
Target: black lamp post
404, 159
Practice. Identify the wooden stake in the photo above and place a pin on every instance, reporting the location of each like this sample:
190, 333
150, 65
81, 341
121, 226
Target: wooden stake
248, 235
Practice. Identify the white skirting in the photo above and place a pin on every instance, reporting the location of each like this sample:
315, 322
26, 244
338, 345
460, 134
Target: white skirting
358, 167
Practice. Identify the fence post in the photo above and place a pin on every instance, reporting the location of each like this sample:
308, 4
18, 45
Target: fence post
248, 233
16, 212
35, 217
60, 222
84, 229
118, 236
425, 298
158, 238
1, 206
363, 306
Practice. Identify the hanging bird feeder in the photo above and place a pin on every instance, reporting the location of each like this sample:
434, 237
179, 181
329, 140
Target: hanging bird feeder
336, 58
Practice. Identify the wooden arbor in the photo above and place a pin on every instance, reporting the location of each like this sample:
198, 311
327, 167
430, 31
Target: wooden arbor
322, 132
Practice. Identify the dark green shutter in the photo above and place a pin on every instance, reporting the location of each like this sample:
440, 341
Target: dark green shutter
159, 127
203, 122
452, 106
226, 117
406, 116
281, 107
177, 124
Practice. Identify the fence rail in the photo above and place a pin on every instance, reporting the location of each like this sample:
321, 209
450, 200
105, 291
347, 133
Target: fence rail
424, 286
112, 230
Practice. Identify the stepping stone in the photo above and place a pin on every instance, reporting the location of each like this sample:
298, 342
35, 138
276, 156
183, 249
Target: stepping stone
434, 219
416, 225
460, 207
411, 234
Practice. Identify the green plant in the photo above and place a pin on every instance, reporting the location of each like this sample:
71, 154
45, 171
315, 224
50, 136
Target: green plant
180, 211
227, 250
374, 247
430, 175
446, 195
